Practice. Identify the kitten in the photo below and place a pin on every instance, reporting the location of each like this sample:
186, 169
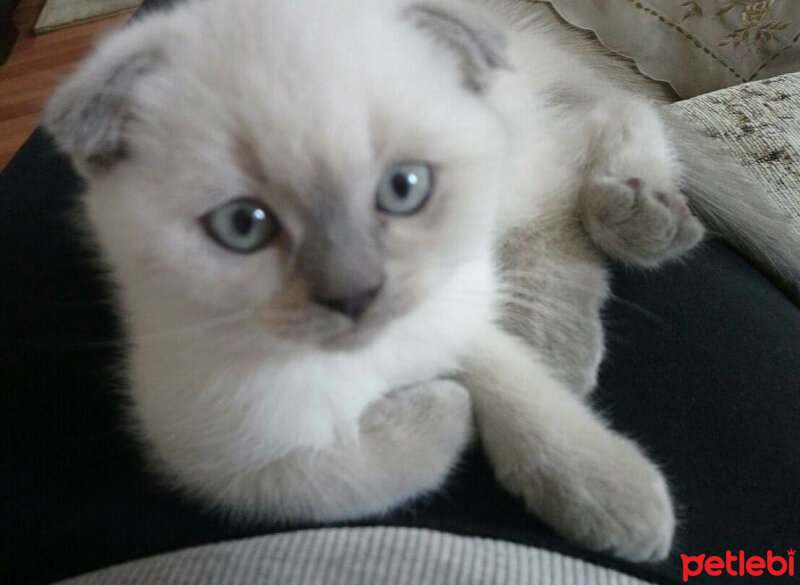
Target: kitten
337, 228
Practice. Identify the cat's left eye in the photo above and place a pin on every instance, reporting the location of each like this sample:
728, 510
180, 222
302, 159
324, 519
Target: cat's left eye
243, 225
404, 189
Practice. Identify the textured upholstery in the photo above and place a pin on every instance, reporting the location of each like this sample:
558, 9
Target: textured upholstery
759, 123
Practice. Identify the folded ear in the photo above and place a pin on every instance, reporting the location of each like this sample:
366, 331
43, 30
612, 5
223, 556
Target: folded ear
475, 35
88, 114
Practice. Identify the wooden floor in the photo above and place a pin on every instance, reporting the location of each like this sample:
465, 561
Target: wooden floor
35, 67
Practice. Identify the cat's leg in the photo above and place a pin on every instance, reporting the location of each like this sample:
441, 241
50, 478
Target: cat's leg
589, 483
407, 443
630, 203
625, 203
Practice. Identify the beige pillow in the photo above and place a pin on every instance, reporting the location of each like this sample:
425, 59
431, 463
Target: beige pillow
696, 45
759, 123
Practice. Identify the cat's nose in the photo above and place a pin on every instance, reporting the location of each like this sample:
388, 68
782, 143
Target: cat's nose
352, 305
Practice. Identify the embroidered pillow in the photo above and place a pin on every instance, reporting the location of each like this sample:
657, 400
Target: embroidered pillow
696, 45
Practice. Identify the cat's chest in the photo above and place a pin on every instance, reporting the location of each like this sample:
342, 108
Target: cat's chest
311, 402
319, 400
217, 408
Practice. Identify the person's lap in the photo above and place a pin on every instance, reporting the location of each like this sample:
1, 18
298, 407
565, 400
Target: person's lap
702, 369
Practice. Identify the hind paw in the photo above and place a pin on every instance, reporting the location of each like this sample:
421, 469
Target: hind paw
637, 223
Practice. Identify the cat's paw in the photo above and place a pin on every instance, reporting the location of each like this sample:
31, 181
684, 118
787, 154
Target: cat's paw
612, 499
430, 422
637, 222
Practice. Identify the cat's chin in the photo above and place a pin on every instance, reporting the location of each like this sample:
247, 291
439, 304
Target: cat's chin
359, 335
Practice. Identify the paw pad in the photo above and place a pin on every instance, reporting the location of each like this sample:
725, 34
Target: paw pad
634, 222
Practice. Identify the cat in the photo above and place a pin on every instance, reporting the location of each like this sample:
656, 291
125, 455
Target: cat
337, 230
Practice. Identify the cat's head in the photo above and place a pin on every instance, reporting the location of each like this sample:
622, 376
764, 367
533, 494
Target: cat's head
323, 166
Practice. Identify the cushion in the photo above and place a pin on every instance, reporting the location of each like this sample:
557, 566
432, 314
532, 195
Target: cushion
696, 45
759, 124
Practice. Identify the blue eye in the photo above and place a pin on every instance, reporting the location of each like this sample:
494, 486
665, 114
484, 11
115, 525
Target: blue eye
243, 225
404, 189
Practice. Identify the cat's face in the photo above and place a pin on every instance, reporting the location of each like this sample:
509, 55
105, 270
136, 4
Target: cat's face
324, 187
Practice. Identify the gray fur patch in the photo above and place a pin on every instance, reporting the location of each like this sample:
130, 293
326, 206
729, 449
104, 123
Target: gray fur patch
480, 47
342, 256
568, 98
555, 285
89, 115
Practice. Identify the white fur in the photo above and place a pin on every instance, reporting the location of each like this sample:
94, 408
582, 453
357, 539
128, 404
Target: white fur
236, 384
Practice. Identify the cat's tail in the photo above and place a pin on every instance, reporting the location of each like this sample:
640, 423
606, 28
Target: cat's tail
732, 203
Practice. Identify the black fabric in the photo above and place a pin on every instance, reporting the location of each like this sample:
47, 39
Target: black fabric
702, 369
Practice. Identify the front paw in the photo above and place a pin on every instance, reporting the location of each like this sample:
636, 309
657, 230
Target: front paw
637, 222
613, 499
605, 495
427, 425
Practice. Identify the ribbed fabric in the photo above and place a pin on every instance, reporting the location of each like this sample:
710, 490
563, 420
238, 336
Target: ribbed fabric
359, 556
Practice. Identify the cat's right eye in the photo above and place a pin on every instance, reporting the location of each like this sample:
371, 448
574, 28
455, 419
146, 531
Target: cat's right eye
243, 225
405, 188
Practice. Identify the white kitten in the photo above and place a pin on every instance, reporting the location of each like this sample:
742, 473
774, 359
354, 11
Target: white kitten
303, 204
